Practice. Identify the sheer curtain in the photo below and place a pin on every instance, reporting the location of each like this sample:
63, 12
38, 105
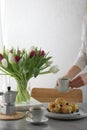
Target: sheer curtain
3, 40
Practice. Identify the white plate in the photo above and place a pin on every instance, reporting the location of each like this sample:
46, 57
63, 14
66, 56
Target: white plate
76, 115
45, 119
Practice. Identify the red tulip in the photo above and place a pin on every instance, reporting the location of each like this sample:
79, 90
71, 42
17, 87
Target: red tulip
32, 54
42, 53
17, 58
1, 57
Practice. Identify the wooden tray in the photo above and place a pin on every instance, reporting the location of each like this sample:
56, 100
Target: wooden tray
16, 116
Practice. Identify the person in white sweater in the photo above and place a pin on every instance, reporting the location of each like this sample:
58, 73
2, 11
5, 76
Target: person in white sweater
76, 78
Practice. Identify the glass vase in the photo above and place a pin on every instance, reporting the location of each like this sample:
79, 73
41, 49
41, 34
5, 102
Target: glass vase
23, 94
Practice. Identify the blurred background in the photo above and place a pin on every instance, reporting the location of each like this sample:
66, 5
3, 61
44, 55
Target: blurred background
54, 25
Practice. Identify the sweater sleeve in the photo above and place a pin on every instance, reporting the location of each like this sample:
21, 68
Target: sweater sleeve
81, 60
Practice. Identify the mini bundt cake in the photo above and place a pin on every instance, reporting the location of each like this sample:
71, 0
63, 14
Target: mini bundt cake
74, 106
53, 107
60, 101
66, 109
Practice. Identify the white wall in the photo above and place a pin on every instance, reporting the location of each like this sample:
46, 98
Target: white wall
54, 25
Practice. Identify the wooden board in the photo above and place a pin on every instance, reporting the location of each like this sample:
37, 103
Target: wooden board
50, 94
16, 116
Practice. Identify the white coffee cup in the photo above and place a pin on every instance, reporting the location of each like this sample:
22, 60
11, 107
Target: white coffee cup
63, 85
36, 113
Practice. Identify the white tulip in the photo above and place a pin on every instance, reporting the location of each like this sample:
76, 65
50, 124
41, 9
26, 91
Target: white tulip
54, 69
4, 63
48, 63
11, 58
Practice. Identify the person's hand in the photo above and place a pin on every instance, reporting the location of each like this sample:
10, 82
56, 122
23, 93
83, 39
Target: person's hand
79, 81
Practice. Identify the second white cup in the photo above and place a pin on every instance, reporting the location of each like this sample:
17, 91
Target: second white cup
63, 84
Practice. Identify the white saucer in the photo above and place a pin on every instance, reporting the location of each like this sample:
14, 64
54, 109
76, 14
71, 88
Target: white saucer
45, 119
59, 89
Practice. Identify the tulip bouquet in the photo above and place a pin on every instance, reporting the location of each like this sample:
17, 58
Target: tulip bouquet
23, 65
